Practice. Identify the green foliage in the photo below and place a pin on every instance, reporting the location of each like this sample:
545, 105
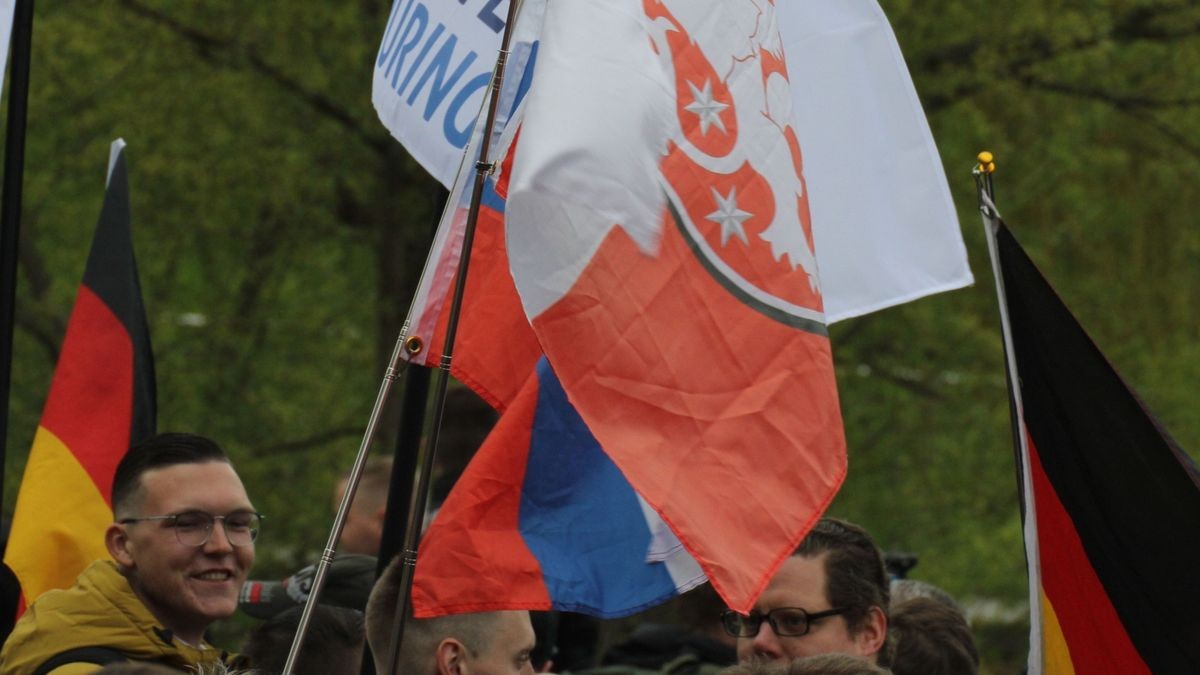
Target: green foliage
280, 231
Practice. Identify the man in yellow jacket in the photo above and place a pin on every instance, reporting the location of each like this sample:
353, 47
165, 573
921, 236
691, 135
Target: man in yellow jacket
181, 546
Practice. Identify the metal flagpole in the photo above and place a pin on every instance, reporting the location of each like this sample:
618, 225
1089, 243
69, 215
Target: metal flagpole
416, 510
420, 493
339, 520
991, 225
10, 208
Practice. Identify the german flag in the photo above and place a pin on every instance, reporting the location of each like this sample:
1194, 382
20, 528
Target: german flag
101, 399
1111, 504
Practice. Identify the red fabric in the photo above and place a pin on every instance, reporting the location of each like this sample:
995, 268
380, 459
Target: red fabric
94, 376
1093, 632
476, 532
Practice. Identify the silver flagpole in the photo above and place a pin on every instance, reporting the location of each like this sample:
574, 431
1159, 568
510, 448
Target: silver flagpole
395, 366
991, 225
339, 521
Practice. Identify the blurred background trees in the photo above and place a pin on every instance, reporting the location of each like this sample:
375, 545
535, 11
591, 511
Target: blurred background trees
280, 231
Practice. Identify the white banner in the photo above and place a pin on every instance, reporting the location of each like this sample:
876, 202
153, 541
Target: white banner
434, 63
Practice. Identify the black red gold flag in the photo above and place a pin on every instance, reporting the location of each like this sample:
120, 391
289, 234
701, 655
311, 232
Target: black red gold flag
1111, 504
102, 399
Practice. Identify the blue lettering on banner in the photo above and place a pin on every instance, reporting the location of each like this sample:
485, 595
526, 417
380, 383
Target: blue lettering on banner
422, 60
437, 70
419, 20
459, 137
437, 32
488, 15
393, 27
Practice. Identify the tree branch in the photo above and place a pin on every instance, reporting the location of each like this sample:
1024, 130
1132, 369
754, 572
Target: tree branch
208, 47
309, 443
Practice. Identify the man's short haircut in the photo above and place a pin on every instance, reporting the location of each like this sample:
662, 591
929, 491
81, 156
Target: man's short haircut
855, 576
157, 452
931, 638
332, 645
421, 636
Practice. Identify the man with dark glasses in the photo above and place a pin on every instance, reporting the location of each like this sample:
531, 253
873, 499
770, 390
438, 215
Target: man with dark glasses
830, 596
182, 544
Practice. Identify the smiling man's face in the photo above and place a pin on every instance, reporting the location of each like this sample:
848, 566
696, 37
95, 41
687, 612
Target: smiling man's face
186, 587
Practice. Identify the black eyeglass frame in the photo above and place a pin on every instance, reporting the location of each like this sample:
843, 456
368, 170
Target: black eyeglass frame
757, 618
212, 523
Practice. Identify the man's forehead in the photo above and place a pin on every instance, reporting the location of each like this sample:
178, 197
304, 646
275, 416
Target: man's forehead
799, 582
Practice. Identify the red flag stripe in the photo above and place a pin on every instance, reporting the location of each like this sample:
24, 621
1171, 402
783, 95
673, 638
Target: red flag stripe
95, 374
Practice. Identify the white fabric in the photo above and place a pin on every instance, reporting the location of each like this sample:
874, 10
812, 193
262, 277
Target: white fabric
885, 227
431, 73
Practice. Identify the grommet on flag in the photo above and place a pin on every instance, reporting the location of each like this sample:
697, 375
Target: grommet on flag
414, 345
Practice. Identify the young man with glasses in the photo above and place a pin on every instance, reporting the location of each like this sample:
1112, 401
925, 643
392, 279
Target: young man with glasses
830, 596
182, 545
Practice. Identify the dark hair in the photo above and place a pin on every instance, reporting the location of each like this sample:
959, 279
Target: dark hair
855, 576
332, 645
931, 638
156, 452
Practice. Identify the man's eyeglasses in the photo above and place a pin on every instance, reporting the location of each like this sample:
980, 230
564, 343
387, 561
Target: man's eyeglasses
194, 528
785, 621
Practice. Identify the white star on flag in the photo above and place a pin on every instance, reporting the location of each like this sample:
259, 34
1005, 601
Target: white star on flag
705, 107
729, 216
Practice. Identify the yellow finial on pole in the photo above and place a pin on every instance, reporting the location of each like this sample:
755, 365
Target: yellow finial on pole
987, 164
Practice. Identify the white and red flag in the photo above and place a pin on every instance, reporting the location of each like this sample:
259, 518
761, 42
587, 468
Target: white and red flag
659, 234
657, 214
660, 238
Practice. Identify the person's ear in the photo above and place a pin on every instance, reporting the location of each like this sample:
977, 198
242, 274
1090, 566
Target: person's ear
451, 657
116, 540
873, 632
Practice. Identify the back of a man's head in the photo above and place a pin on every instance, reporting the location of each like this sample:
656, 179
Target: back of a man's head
855, 575
421, 636
158, 452
931, 638
333, 644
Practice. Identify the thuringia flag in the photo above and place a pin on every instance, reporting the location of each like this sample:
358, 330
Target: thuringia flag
659, 235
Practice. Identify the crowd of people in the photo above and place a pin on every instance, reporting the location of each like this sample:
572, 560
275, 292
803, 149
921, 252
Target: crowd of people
182, 545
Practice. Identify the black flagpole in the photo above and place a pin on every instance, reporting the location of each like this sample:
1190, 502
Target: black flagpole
10, 204
416, 509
